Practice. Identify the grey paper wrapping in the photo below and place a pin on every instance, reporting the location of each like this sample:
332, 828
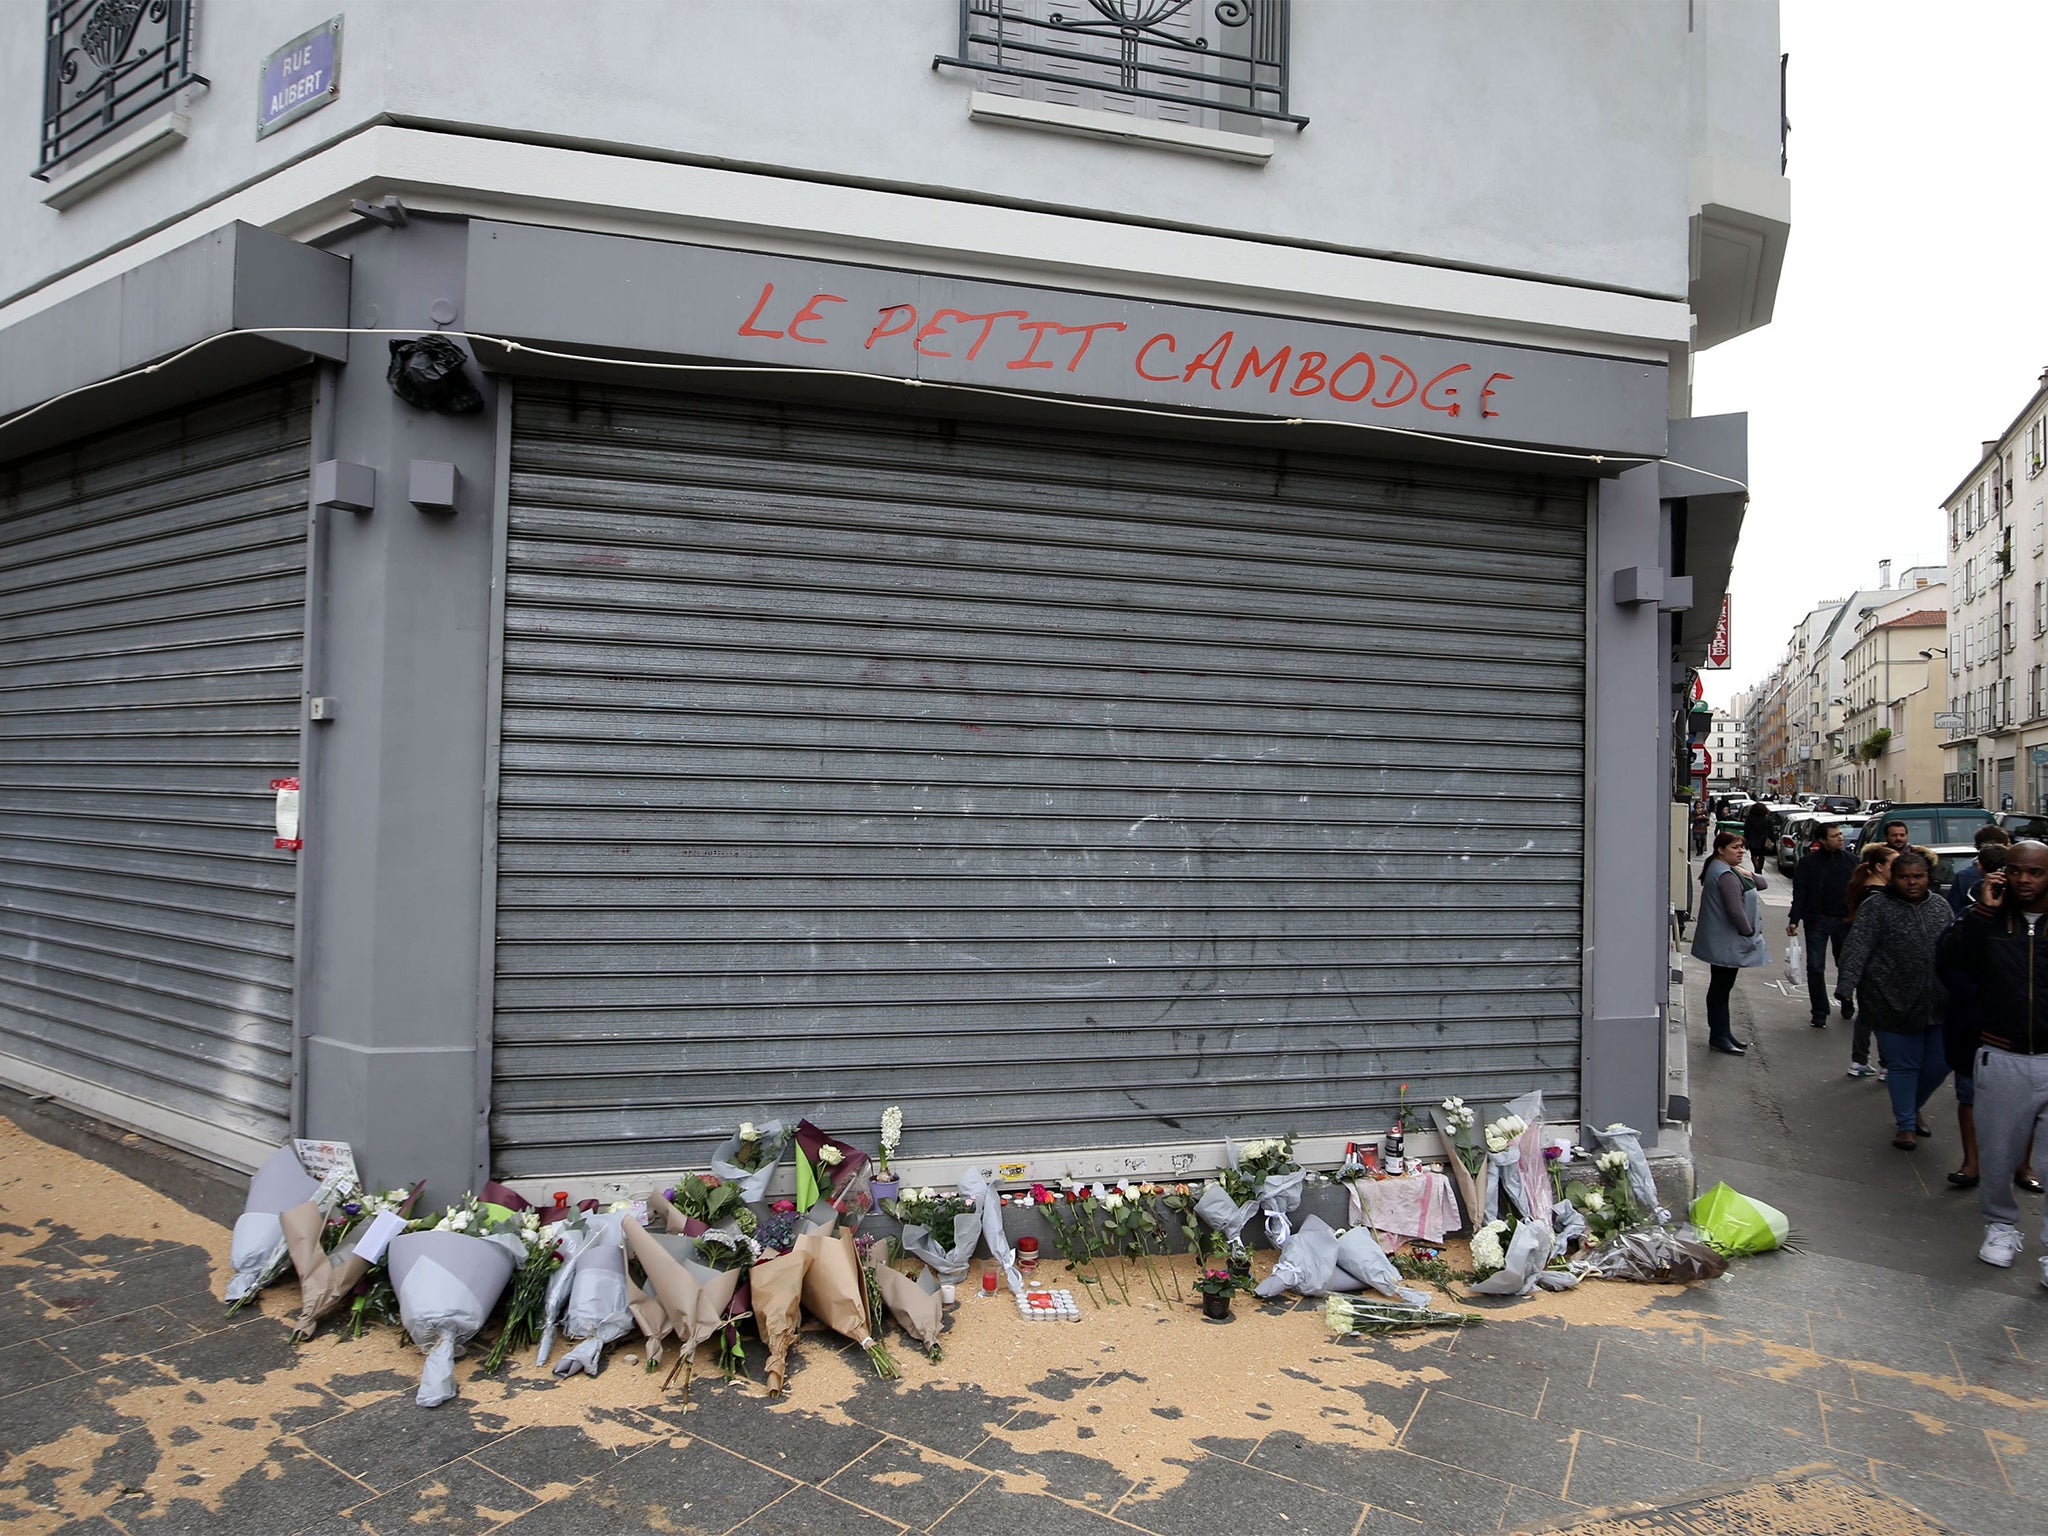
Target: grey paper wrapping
990, 1204
447, 1284
1642, 1185
1222, 1213
774, 1142
257, 1250
918, 1312
599, 1310
1279, 1197
949, 1264
1654, 1256
1569, 1223
1528, 1251
576, 1240
1360, 1256
1307, 1264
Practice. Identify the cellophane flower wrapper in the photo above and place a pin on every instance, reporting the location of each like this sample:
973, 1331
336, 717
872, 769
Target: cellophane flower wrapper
778, 1286
989, 1202
1653, 1256
1569, 1223
1642, 1184
753, 1183
588, 1295
447, 1284
1529, 1250
1736, 1224
258, 1251
949, 1264
1307, 1264
1522, 1172
918, 1312
1279, 1196
831, 1183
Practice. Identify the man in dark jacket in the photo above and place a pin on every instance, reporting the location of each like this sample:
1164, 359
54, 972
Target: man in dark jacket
1756, 833
1820, 880
1963, 889
2003, 943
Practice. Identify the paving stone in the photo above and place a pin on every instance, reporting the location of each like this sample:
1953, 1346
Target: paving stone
1625, 1368
809, 1512
2025, 1469
1624, 1416
25, 1317
1957, 1406
1608, 1471
459, 1499
389, 1443
1448, 1497
33, 1364
287, 1491
81, 1400
1089, 1480
87, 1296
550, 1458
1530, 1510
907, 1484
1227, 1498
1921, 1351
796, 1443
674, 1485
1887, 1434
1533, 1453
993, 1510
1787, 1364
1980, 1509
1384, 1522
1500, 1383
950, 1420
133, 1333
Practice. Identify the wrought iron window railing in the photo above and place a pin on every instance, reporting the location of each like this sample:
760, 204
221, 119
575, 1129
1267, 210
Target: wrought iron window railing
106, 64
1222, 56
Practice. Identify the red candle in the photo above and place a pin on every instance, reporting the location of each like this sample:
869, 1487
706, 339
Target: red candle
988, 1282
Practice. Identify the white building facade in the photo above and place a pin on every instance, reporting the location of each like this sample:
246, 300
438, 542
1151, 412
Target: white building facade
803, 557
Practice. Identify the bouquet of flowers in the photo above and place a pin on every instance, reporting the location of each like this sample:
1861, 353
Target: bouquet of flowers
1133, 1228
1261, 1176
941, 1229
915, 1304
525, 1314
830, 1172
1357, 1314
1510, 1258
835, 1292
892, 1137
358, 1238
449, 1278
1608, 1205
778, 1287
699, 1201
1360, 1256
1654, 1255
1515, 1163
749, 1157
694, 1280
588, 1296
1642, 1185
258, 1250
990, 1204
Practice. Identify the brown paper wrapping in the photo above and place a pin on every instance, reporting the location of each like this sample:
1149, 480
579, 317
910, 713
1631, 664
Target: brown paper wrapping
330, 1281
649, 1317
302, 1224
917, 1311
778, 1307
694, 1309
834, 1292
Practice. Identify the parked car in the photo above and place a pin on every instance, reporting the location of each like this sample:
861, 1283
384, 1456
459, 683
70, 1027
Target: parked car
1841, 805
2024, 824
1942, 829
1802, 830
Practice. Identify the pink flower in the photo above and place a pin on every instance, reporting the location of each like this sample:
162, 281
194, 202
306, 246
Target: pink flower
1040, 1195
783, 1207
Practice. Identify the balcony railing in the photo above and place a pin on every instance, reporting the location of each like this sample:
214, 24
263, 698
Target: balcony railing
1231, 60
106, 64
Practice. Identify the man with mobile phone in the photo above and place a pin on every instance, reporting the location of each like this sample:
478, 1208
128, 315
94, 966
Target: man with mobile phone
2003, 944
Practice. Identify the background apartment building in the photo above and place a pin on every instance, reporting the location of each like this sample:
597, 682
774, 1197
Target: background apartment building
1728, 747
1887, 747
1997, 748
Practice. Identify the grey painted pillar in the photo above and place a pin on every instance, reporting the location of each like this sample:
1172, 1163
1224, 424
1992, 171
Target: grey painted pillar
391, 983
1620, 1077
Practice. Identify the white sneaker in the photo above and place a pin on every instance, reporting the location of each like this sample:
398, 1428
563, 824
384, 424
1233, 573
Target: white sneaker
1858, 1069
2002, 1245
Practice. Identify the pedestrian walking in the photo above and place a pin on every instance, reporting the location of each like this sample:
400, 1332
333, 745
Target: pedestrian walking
1820, 889
1960, 1034
1756, 834
1730, 935
1873, 872
1888, 968
2001, 944
1702, 824
1963, 889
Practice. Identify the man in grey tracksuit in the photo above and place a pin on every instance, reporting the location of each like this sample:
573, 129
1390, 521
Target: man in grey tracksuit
2003, 942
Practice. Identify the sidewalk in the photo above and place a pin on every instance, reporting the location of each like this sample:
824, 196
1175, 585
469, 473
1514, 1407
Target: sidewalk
1893, 1362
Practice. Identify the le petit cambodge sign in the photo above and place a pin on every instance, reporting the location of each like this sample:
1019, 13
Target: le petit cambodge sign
301, 77
568, 288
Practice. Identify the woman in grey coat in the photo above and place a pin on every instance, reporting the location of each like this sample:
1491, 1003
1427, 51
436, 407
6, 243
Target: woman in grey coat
1730, 935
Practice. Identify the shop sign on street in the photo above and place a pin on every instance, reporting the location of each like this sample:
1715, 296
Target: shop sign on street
1947, 720
1717, 648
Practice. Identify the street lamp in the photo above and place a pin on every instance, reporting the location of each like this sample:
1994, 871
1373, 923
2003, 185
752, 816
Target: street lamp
1929, 655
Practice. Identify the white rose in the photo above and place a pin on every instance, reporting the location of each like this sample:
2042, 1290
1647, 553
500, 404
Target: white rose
927, 1193
1112, 1201
747, 1131
1595, 1201
831, 1157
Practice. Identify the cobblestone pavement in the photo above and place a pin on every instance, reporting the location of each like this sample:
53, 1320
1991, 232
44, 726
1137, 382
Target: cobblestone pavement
1883, 1364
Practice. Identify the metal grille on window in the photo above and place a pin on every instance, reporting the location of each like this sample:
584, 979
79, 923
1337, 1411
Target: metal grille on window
108, 63
1180, 61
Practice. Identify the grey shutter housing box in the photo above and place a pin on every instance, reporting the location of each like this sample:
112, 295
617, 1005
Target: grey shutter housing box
238, 279
430, 485
338, 484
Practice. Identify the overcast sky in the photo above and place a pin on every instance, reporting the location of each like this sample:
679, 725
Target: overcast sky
1912, 320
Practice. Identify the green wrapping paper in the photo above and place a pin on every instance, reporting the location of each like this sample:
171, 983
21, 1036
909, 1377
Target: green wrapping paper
1736, 1224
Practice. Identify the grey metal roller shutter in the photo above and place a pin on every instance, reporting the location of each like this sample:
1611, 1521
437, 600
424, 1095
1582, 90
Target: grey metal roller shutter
1070, 792
152, 597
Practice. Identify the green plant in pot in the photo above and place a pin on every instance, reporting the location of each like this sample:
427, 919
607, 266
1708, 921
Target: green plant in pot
1216, 1286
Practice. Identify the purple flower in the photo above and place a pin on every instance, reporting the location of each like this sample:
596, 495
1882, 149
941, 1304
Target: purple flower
668, 1194
1552, 1154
